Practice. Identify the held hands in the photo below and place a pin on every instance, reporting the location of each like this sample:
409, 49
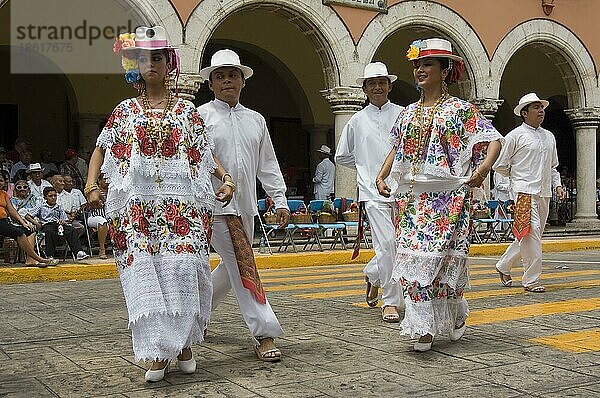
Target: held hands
283, 217
382, 187
225, 194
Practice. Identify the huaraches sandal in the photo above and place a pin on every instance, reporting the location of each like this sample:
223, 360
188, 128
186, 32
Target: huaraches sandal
389, 314
371, 294
505, 278
535, 289
266, 350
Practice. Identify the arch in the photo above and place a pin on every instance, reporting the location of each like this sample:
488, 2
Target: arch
155, 12
439, 18
562, 48
317, 22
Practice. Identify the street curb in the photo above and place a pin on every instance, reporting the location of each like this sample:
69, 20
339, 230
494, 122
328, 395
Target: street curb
70, 272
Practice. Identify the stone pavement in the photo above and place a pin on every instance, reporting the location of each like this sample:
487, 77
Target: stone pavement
69, 339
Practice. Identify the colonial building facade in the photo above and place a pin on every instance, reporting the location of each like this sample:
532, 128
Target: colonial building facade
307, 55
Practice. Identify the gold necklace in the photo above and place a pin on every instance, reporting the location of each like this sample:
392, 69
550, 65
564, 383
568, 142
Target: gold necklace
424, 125
158, 129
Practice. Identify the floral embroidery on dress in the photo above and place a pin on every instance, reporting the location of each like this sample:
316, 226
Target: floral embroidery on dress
160, 227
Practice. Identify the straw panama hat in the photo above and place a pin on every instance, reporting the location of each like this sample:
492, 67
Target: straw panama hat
529, 99
223, 58
375, 69
324, 149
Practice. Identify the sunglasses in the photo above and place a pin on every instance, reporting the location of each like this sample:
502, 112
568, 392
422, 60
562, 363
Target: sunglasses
21, 186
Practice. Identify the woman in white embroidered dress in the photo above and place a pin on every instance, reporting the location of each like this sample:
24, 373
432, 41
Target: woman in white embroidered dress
439, 156
157, 160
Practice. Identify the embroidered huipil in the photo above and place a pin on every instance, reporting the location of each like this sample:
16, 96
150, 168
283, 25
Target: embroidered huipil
368, 129
529, 159
432, 226
243, 146
159, 204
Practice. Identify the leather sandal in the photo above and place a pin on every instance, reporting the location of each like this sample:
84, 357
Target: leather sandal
371, 301
390, 317
535, 289
266, 350
505, 278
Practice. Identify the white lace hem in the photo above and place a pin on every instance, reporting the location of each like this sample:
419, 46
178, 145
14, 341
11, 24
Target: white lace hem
425, 267
433, 317
162, 336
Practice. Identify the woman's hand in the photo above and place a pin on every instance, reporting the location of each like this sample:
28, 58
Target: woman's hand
476, 179
225, 194
95, 200
382, 187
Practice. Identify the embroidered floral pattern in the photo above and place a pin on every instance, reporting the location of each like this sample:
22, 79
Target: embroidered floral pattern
438, 290
160, 227
456, 131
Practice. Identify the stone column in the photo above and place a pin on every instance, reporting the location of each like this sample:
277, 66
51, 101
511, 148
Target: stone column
585, 122
345, 102
488, 107
188, 85
90, 125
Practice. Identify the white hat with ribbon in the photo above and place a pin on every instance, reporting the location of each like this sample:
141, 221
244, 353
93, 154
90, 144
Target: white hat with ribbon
529, 99
224, 58
375, 69
324, 149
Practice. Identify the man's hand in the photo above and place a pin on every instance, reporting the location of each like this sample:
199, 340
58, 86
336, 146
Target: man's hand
560, 192
283, 217
383, 188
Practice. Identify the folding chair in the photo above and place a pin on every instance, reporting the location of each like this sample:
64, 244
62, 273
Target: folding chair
337, 204
312, 229
337, 228
506, 220
265, 228
490, 224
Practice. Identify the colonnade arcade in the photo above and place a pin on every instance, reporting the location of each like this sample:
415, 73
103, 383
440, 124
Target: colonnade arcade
306, 64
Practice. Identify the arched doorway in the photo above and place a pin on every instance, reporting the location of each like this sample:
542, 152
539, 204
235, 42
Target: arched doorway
285, 85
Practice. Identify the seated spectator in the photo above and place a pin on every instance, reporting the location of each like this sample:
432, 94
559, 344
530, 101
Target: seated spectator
23, 200
97, 219
70, 167
53, 221
9, 187
22, 233
21, 145
22, 164
5, 164
78, 198
48, 165
36, 183
68, 203
82, 166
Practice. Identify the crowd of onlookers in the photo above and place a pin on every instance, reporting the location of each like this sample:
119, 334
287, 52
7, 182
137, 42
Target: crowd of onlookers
48, 195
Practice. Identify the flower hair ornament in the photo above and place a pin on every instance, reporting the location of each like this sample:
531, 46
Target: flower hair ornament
144, 38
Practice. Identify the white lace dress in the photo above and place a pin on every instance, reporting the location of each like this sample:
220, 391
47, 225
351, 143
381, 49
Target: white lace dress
159, 206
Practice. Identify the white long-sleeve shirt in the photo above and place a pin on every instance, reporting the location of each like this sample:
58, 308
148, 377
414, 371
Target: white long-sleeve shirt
324, 178
244, 148
365, 143
530, 159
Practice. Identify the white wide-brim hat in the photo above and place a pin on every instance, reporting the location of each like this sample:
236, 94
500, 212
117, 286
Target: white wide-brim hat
149, 38
324, 149
33, 167
375, 69
431, 48
223, 58
529, 99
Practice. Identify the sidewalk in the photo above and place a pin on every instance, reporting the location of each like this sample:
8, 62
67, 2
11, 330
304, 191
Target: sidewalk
105, 269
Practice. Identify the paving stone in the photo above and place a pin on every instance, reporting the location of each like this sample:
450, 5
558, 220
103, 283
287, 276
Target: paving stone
25, 387
216, 389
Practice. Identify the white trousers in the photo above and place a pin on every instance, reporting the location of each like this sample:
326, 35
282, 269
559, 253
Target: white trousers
260, 318
381, 217
529, 249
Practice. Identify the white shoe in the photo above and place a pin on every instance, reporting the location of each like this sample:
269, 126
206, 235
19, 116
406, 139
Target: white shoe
81, 255
187, 367
157, 375
422, 347
458, 333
